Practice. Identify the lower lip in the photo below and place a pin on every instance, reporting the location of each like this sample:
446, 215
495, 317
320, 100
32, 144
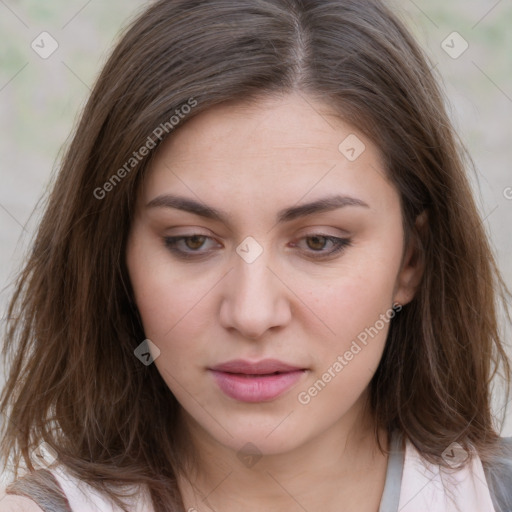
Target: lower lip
261, 388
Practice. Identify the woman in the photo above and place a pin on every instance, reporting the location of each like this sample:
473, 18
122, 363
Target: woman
261, 281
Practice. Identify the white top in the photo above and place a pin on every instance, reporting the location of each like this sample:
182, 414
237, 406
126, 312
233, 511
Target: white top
83, 498
423, 486
412, 485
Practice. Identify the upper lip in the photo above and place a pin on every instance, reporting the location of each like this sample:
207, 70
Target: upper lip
265, 366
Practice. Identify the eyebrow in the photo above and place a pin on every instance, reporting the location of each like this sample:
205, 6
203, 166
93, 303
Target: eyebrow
288, 214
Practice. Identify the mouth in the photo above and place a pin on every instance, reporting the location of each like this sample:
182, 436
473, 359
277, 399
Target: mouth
260, 381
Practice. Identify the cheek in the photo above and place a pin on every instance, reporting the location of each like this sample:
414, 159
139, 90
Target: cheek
359, 323
356, 305
174, 309
167, 309
355, 294
164, 295
359, 314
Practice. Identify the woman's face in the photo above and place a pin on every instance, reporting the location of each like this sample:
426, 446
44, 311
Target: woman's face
268, 232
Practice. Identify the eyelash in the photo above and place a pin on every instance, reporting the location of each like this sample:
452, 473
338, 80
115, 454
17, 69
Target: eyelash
339, 245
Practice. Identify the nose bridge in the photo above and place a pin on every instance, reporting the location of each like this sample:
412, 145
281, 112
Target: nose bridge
252, 279
251, 274
254, 300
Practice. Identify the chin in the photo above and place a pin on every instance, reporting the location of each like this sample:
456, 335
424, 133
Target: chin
269, 437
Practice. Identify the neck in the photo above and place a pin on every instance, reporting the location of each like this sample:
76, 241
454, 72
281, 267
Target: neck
341, 469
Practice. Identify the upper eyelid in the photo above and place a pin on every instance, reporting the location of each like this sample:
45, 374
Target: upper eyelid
307, 235
308, 231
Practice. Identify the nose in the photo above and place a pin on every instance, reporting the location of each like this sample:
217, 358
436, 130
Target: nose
254, 299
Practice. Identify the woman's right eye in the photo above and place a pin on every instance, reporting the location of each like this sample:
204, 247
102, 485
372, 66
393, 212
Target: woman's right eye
187, 246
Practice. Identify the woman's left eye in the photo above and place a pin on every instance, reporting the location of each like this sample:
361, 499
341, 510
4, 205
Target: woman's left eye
317, 245
191, 245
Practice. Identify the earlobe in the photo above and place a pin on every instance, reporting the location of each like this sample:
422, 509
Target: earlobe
413, 264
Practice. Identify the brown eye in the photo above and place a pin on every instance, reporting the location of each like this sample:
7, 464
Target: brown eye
193, 246
319, 246
195, 242
317, 242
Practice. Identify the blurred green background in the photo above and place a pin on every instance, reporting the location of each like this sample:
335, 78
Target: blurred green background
40, 100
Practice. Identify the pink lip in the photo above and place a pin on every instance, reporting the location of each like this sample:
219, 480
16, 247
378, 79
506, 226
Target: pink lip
256, 382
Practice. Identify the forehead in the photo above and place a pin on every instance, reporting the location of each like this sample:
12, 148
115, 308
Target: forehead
280, 126
278, 147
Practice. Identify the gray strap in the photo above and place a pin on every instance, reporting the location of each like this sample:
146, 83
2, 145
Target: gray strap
391, 495
499, 477
43, 489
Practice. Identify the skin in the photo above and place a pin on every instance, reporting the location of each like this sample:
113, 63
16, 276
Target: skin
253, 160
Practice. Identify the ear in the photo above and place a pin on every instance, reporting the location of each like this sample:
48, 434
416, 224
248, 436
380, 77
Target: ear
413, 264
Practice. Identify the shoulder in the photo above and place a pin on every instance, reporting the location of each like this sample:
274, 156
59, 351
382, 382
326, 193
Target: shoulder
82, 496
36, 491
14, 503
57, 490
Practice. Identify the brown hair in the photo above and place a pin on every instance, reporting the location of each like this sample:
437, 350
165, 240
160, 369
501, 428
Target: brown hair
74, 327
